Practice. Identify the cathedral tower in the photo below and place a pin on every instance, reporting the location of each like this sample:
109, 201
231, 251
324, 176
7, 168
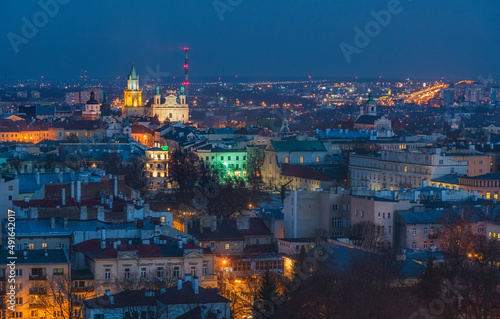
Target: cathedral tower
133, 94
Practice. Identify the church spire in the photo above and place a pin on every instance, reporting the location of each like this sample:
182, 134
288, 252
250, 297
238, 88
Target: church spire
132, 74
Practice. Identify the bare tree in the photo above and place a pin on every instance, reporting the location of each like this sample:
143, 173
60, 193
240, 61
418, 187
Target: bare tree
58, 297
365, 234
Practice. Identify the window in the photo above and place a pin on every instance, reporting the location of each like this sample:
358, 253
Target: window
226, 246
126, 273
362, 213
389, 229
356, 212
11, 187
19, 272
414, 231
302, 159
318, 159
205, 269
425, 245
44, 245
383, 215
177, 271
414, 245
378, 215
34, 313
163, 219
18, 314
193, 270
425, 231
107, 273
388, 215
287, 160
19, 301
31, 246
236, 246
58, 271
229, 158
159, 272
143, 273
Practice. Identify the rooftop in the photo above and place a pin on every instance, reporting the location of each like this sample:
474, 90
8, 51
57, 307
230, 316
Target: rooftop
35, 257
298, 146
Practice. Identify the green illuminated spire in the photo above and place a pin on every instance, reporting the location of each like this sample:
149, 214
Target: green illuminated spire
133, 74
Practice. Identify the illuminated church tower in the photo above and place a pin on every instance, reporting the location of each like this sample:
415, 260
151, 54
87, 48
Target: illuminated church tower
133, 95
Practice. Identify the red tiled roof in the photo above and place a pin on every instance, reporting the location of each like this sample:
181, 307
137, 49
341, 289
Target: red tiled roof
303, 172
141, 129
92, 248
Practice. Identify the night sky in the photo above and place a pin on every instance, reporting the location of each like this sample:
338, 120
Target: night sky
426, 39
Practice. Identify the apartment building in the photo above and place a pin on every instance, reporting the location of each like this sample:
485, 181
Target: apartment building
401, 169
34, 270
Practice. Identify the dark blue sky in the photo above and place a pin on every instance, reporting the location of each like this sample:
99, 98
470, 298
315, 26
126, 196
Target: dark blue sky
428, 39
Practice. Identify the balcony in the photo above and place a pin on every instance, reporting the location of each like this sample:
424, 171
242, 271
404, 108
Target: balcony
38, 291
38, 277
433, 235
210, 278
82, 289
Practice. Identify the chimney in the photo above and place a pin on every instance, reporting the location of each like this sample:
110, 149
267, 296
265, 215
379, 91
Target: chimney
130, 212
65, 222
52, 222
115, 186
147, 210
110, 202
83, 212
111, 300
213, 224
72, 189
424, 183
187, 277
201, 225
196, 286
60, 176
179, 284
37, 175
185, 224
179, 243
33, 214
79, 191
107, 293
63, 196
46, 253
242, 222
103, 238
